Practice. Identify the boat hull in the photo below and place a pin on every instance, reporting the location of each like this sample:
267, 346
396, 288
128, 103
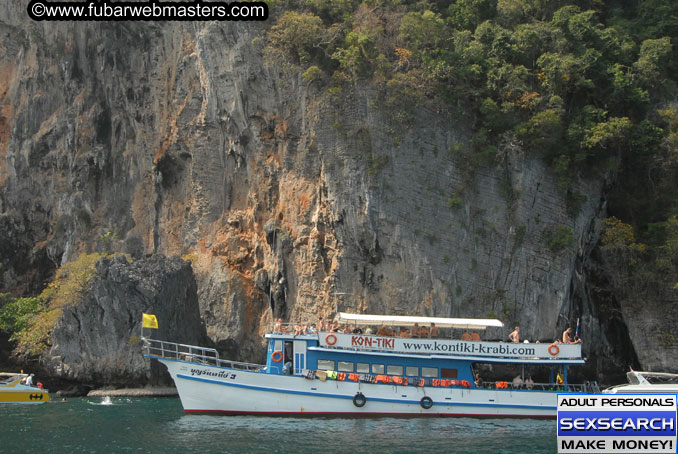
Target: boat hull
218, 390
24, 396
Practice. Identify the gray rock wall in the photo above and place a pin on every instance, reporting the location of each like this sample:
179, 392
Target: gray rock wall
96, 341
176, 138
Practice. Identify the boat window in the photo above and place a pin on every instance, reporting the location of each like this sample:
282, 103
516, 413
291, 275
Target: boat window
278, 346
394, 370
345, 366
324, 364
448, 373
429, 372
657, 379
412, 371
362, 368
377, 368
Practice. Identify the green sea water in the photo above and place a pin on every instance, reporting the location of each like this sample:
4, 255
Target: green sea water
159, 425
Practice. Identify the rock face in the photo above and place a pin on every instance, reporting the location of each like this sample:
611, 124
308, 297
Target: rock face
177, 139
96, 340
648, 308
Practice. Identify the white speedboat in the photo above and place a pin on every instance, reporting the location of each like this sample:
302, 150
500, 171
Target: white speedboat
355, 374
646, 383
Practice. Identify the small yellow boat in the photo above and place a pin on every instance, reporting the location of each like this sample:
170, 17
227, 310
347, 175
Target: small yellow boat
14, 390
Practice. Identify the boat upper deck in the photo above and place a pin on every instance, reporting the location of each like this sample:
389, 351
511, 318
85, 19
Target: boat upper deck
448, 348
470, 348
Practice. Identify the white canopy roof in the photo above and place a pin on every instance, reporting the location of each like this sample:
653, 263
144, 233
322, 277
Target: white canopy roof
12, 374
401, 320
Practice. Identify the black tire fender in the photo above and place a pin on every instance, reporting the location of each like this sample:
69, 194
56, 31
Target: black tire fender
359, 400
426, 402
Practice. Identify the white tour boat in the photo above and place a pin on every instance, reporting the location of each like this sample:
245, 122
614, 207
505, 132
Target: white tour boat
646, 383
347, 374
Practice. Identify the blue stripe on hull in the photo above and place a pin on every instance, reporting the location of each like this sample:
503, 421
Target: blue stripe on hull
364, 415
340, 396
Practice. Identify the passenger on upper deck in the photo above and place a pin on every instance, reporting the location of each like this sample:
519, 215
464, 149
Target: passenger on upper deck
466, 336
423, 332
299, 330
404, 332
435, 331
416, 332
475, 336
567, 339
321, 325
515, 335
382, 331
278, 328
335, 326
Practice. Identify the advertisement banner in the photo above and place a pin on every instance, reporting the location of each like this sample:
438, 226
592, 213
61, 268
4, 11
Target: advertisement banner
617, 423
450, 346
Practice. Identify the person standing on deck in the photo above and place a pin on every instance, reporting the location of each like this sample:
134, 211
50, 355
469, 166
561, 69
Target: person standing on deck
515, 335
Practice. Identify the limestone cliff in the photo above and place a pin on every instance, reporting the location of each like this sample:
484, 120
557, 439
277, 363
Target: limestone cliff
96, 341
176, 139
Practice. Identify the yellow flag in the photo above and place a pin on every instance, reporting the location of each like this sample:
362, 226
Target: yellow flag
149, 321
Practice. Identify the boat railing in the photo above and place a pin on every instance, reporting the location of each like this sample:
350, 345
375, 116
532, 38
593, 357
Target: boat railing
296, 329
192, 354
589, 387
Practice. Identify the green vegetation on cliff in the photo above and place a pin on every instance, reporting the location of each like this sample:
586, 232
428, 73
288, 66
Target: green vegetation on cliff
581, 84
29, 321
